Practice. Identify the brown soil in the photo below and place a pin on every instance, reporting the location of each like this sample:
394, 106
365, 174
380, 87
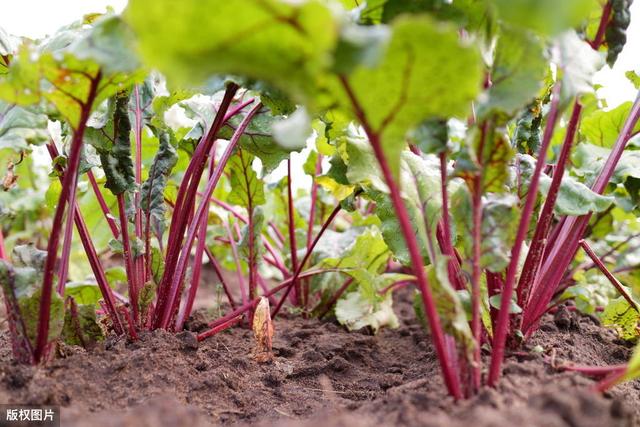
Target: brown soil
322, 376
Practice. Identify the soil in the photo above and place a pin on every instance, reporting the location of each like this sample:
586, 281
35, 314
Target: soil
322, 375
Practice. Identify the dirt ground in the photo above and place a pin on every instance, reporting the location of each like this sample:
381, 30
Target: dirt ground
322, 376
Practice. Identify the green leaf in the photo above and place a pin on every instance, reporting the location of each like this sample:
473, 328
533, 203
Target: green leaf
157, 265
116, 162
393, 95
616, 31
448, 304
61, 69
83, 293
81, 328
603, 127
546, 17
496, 302
590, 159
499, 225
527, 133
21, 128
292, 133
575, 198
579, 63
21, 285
430, 136
258, 225
368, 253
247, 190
494, 164
283, 43
356, 312
147, 295
7, 48
619, 315
360, 45
634, 78
259, 140
518, 70
422, 199
152, 190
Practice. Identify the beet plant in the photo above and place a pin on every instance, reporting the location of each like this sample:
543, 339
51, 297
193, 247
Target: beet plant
457, 147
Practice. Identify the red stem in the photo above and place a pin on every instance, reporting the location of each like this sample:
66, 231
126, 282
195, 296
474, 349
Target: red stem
249, 305
186, 200
500, 337
594, 371
66, 252
68, 193
226, 325
539, 240
163, 318
218, 269
312, 218
476, 269
292, 236
92, 255
277, 260
140, 270
335, 298
128, 256
236, 259
610, 381
3, 252
602, 27
451, 380
185, 310
603, 268
297, 273
103, 205
566, 243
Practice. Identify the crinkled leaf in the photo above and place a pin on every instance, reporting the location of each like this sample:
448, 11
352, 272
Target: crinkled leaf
527, 133
616, 31
116, 162
152, 191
